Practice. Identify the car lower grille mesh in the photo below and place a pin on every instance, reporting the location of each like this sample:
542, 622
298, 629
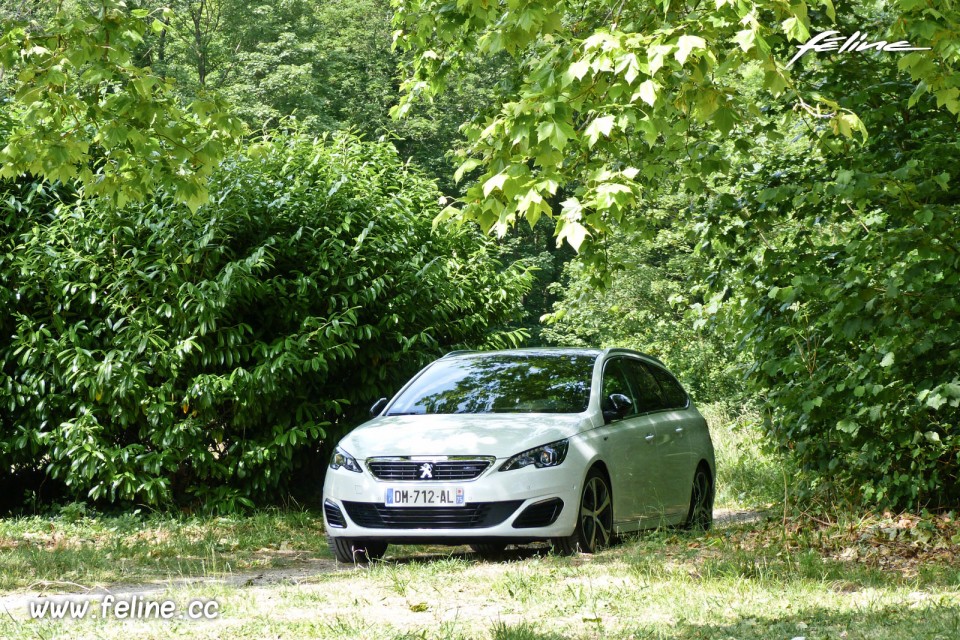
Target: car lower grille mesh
540, 514
472, 516
441, 470
334, 516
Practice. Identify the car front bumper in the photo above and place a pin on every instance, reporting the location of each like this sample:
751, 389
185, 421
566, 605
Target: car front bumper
523, 504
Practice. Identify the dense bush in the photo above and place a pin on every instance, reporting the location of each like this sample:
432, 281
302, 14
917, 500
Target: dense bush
151, 353
839, 264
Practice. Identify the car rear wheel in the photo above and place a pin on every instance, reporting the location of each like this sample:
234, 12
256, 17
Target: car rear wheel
353, 551
489, 550
594, 528
700, 516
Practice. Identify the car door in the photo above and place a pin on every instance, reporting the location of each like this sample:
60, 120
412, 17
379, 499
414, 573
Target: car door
673, 428
630, 452
669, 489
681, 423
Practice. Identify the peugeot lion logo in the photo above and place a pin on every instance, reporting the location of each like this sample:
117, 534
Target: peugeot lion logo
426, 471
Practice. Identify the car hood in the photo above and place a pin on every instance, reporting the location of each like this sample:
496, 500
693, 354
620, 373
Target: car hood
499, 435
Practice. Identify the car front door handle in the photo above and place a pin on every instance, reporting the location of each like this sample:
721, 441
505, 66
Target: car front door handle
650, 437
679, 431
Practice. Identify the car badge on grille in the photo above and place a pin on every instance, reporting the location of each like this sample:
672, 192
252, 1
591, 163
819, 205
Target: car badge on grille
426, 471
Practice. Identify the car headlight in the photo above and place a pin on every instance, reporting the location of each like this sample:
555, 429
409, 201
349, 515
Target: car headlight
341, 458
548, 455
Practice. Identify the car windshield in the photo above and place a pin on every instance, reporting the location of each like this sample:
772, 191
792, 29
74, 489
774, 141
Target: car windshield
502, 383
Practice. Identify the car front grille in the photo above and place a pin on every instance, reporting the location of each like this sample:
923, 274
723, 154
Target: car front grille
478, 515
440, 470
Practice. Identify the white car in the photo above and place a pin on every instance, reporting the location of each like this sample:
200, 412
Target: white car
572, 446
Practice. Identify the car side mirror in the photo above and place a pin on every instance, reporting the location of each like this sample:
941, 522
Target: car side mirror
377, 407
618, 406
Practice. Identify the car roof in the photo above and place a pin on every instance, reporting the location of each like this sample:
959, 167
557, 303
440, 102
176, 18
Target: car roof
529, 351
552, 351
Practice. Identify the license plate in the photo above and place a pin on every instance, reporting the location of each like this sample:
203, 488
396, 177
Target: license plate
425, 497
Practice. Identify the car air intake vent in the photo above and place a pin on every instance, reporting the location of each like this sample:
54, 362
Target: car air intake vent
334, 515
540, 514
472, 516
422, 471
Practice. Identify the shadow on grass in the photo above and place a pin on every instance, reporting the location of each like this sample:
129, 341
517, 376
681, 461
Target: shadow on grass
920, 620
414, 555
522, 631
408, 554
778, 566
916, 621
85, 550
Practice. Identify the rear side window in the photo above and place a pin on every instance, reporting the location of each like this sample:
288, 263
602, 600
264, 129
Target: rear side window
645, 387
673, 394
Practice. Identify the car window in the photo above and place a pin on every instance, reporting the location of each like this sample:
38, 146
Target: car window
501, 383
673, 393
615, 381
645, 387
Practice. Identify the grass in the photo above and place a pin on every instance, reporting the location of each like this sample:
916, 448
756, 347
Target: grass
748, 476
746, 582
879, 577
77, 548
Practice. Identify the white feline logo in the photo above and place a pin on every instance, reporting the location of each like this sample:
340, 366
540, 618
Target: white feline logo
426, 471
830, 41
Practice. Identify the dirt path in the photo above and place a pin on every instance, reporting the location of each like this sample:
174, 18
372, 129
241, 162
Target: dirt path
308, 570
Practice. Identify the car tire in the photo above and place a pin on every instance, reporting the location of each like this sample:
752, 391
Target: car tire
489, 550
594, 529
353, 551
700, 515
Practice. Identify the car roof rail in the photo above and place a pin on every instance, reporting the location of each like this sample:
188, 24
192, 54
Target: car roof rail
457, 353
637, 353
654, 358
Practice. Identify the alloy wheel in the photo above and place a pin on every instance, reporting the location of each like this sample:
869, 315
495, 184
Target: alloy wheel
596, 514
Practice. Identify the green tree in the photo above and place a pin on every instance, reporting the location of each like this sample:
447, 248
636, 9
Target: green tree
83, 110
838, 263
330, 64
612, 100
644, 304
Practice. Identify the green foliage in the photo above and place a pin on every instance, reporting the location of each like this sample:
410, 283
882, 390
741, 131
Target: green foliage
613, 100
328, 63
841, 269
643, 305
159, 354
84, 111
536, 247
609, 101
750, 474
823, 195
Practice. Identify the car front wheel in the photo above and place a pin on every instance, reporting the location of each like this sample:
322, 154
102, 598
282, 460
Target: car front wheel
594, 528
353, 551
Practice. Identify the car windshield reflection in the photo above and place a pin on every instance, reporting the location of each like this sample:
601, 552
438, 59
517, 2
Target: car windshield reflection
511, 383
